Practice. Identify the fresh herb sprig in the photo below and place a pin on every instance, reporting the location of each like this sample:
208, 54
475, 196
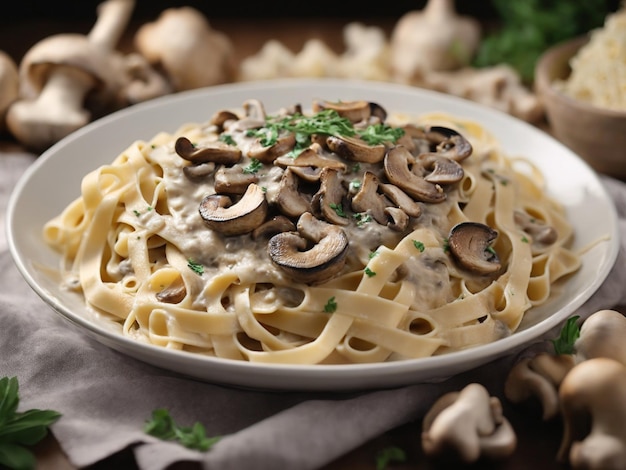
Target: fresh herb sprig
163, 426
327, 122
570, 332
19, 430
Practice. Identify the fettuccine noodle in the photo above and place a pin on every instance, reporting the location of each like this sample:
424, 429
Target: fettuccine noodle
141, 243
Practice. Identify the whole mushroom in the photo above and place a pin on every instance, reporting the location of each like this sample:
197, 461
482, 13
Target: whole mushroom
191, 54
9, 84
59, 74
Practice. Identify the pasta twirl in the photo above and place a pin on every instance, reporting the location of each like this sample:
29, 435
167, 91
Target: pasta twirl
336, 235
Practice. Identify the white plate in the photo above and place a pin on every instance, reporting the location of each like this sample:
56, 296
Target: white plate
54, 180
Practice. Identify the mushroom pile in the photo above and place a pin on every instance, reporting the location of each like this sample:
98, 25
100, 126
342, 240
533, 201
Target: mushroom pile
310, 186
584, 385
67, 80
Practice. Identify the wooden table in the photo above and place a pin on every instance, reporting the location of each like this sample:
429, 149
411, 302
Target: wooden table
538, 440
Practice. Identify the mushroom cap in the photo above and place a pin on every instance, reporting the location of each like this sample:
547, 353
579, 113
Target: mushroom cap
9, 84
470, 245
326, 258
235, 219
73, 51
198, 57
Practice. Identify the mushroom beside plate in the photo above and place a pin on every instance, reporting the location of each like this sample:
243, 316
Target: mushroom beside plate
53, 181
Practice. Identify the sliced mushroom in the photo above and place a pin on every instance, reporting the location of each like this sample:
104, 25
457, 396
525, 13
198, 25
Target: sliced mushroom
173, 294
354, 111
443, 169
328, 201
399, 220
242, 217
216, 152
290, 200
470, 244
293, 253
355, 149
401, 199
539, 231
397, 169
199, 171
233, 180
449, 143
222, 117
310, 157
369, 200
254, 118
267, 154
276, 224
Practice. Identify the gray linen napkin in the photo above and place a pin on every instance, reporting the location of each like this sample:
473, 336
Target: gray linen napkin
105, 397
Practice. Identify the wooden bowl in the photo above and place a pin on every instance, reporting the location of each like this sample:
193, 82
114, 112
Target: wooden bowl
596, 134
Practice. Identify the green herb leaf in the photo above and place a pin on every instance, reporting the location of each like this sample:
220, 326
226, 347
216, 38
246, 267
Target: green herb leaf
254, 166
331, 305
163, 426
381, 133
388, 455
20, 429
338, 208
570, 332
369, 272
419, 245
195, 267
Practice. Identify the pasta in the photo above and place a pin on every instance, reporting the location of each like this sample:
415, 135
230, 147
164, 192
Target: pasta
339, 234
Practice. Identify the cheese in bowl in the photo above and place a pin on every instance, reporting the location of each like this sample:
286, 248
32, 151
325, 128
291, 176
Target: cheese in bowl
336, 233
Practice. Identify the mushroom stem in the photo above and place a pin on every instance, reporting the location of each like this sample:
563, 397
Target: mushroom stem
113, 17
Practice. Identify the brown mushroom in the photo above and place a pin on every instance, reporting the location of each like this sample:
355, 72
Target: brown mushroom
245, 215
470, 245
398, 219
444, 170
355, 149
290, 200
276, 224
172, 294
398, 172
449, 143
314, 254
539, 231
354, 111
216, 152
369, 200
268, 153
233, 180
328, 201
401, 199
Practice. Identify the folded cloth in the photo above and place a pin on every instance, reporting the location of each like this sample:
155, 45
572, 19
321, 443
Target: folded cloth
106, 397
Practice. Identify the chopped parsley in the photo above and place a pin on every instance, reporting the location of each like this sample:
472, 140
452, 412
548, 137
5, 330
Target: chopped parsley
369, 272
372, 254
327, 122
331, 305
227, 139
419, 245
338, 208
195, 267
362, 218
254, 166
570, 332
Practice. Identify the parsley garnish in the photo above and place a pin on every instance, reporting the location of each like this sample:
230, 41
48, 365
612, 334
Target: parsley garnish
372, 254
195, 267
570, 332
163, 426
388, 455
362, 218
19, 430
524, 239
419, 245
381, 133
228, 139
369, 272
338, 208
254, 166
331, 305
